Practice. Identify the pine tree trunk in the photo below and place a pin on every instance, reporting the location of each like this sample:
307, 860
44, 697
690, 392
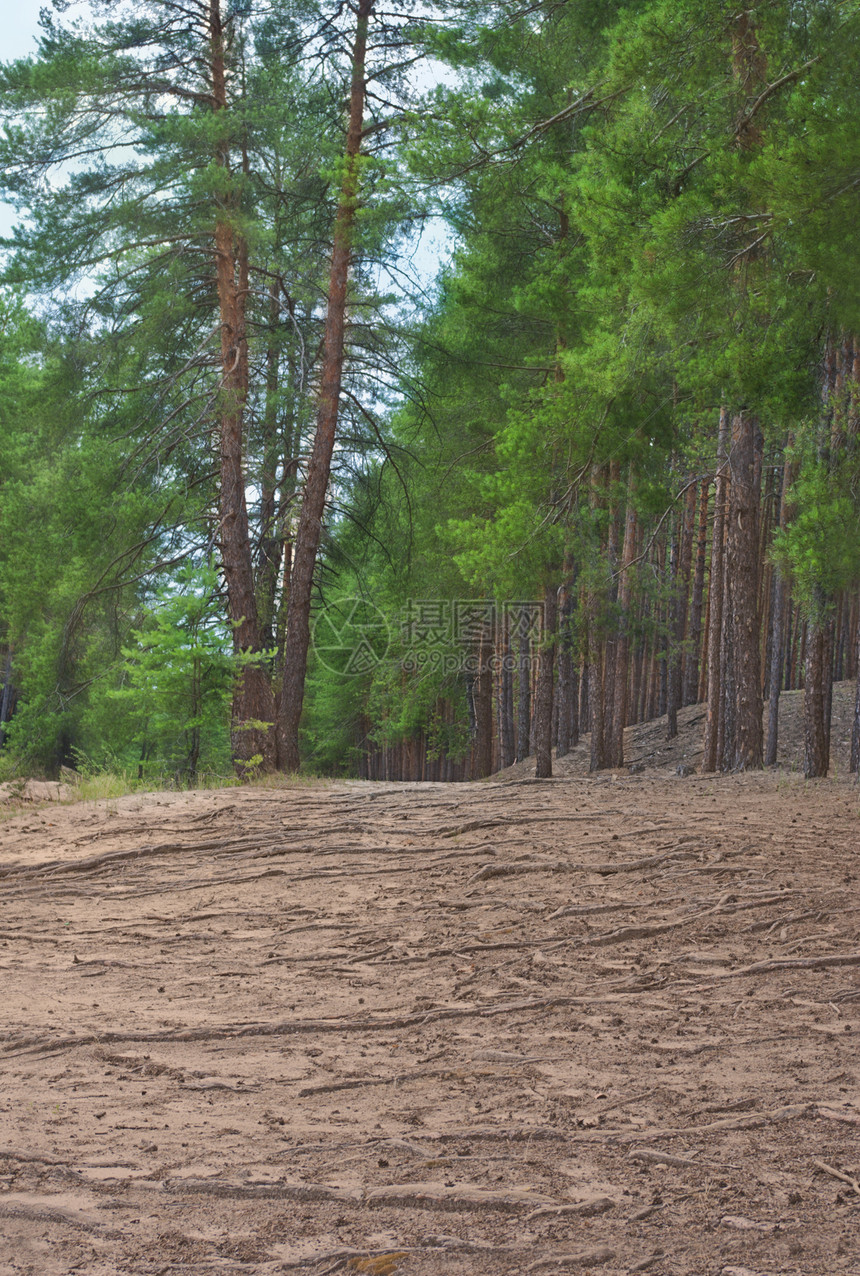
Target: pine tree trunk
816, 699
663, 688
253, 738
777, 627
673, 657
636, 690
710, 759
740, 742
818, 665
702, 695
276, 549
597, 761
854, 764
610, 644
663, 620
742, 553
726, 739
769, 505
584, 708
828, 683
524, 707
775, 671
681, 563
792, 668
574, 702
851, 653
482, 692
682, 596
691, 669
7, 695
565, 690
553, 731
544, 687
839, 637
271, 547
319, 466
622, 653
507, 735
801, 659
652, 693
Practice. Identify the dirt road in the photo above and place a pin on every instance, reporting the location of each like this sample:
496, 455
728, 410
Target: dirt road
507, 1027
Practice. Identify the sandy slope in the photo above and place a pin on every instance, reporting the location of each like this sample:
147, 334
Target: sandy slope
497, 1028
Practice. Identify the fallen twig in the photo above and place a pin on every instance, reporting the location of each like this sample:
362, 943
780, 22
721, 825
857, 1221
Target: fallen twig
752, 1121
584, 1209
585, 1258
797, 963
837, 1174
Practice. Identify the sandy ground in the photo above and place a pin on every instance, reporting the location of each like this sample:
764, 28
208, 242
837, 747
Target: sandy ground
599, 1023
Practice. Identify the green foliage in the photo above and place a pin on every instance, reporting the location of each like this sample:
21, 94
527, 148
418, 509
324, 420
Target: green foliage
176, 681
819, 549
649, 220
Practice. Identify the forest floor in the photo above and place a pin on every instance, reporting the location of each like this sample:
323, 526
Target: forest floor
597, 1022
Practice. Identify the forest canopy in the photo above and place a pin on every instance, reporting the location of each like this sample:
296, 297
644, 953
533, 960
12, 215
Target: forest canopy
403, 391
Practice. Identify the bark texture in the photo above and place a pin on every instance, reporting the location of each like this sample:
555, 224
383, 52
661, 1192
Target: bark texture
7, 693
319, 466
854, 765
622, 652
567, 690
693, 664
524, 705
482, 697
507, 734
715, 601
776, 636
252, 732
597, 760
816, 697
544, 688
271, 543
742, 551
